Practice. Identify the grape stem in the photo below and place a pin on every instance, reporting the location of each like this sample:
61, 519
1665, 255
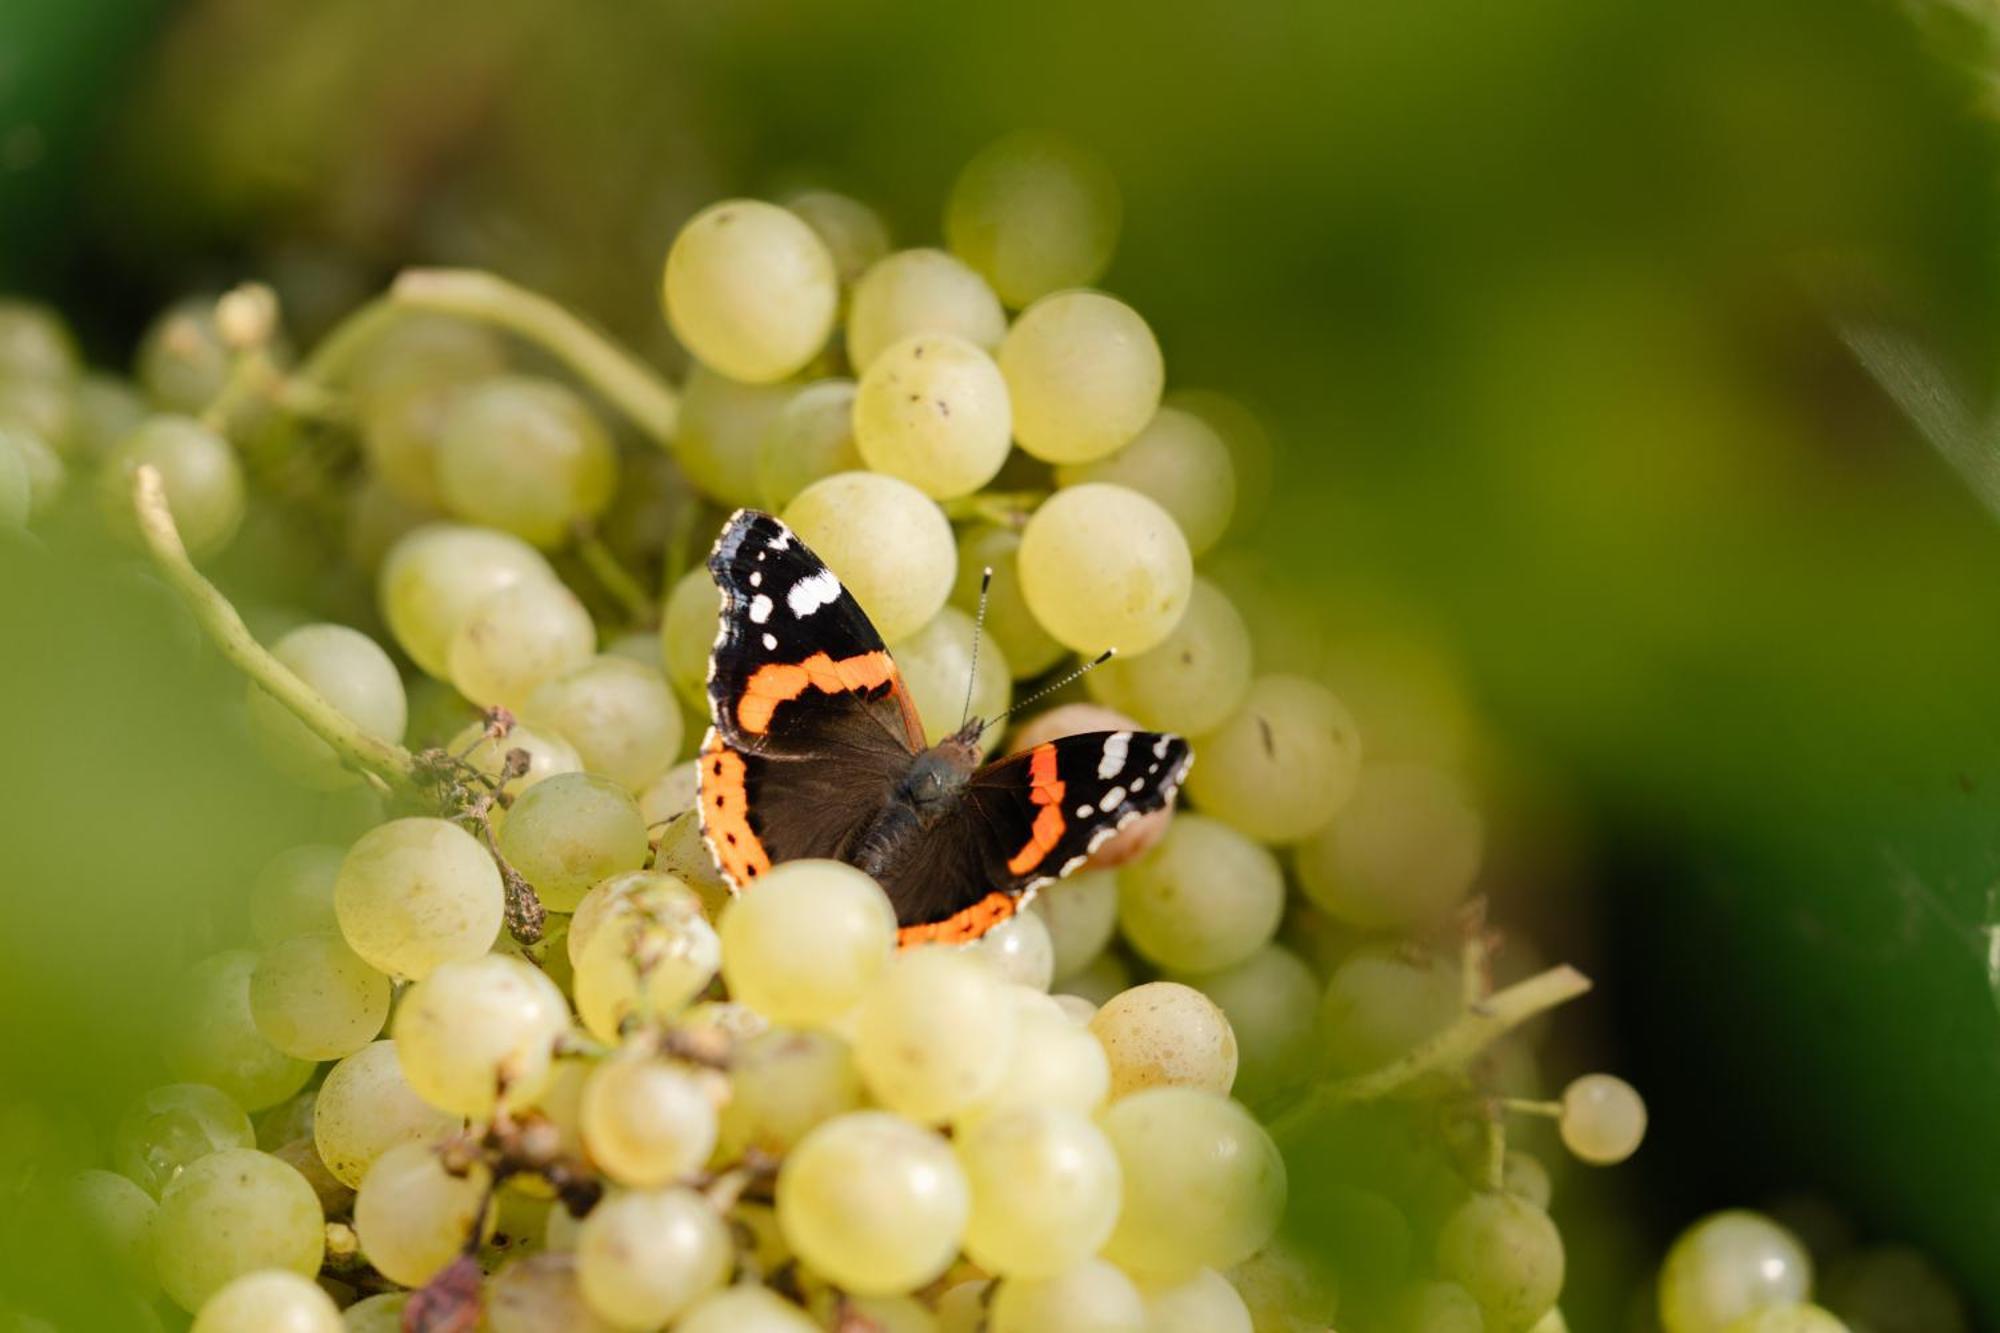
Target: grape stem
612, 575
390, 765
1003, 509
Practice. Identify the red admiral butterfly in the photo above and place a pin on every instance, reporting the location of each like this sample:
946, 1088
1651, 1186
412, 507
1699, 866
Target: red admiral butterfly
817, 751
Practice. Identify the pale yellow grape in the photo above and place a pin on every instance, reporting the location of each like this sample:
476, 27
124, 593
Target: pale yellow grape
527, 456
417, 892
1250, 451
1081, 913
745, 1309
433, 579
315, 999
1439, 1307
888, 543
213, 1039
293, 893
1283, 1292
560, 1101
118, 1215
1103, 567
852, 232
1204, 1184
782, 1083
1382, 1001
1603, 1119
399, 429
722, 426
619, 714
1523, 1175
936, 663
811, 437
1045, 1188
1728, 1265
647, 1123
377, 1314
873, 1203
751, 290
171, 1127
687, 634
1030, 650
803, 947
1084, 375
1401, 854
670, 796
1080, 1011
934, 1035
539, 1293
1165, 1034
1192, 680
1091, 1297
367, 1107
472, 1028
548, 754
1506, 1254
932, 409
646, 965
1271, 1000
1056, 1061
645, 1256
567, 833
352, 673
1283, 764
1800, 1318
921, 291
1181, 462
273, 1301
680, 850
199, 475
1204, 1303
1034, 212
230, 1213
1205, 898
1019, 950
645, 893
413, 1216
516, 639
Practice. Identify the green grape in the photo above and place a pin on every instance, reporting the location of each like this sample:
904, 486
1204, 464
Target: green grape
1251, 457
782, 1083
1035, 213
933, 411
1384, 1000
1800, 1318
1164, 1034
921, 291
873, 1203
1400, 855
1894, 1289
214, 1040
1283, 1292
199, 475
106, 410
644, 1257
1270, 1000
315, 999
432, 580
1081, 913
540, 1293
400, 428
527, 456
1728, 1265
1506, 1254
548, 754
571, 831
852, 232
1193, 679
16, 486
1084, 375
1045, 1189
35, 344
804, 947
810, 437
1029, 649
234, 1212
723, 424
272, 1301
1018, 950
377, 1314
744, 1309
894, 1314
1603, 1119
619, 714
687, 634
1282, 765
649, 966
517, 638
1055, 1062
348, 670
425, 348
937, 661
934, 1033
1178, 1144
1439, 1307
642, 893
479, 1033
169, 1128
647, 1123
182, 361
118, 1215
1524, 1176
1179, 461
1204, 1303
415, 893
1103, 567
887, 542
1090, 1297
1205, 898
1107, 975
41, 465
413, 1216
45, 409
335, 1197
293, 893
751, 290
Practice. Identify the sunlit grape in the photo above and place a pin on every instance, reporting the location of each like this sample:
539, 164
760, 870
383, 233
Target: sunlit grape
1094, 591
1382, 1001
1081, 913
1179, 461
804, 946
1055, 1062
1045, 1190
1090, 1297
526, 456
230, 1213
293, 893
170, 1127
213, 1037
1084, 375
1018, 950
1282, 765
1603, 1119
515, 639
567, 833
1726, 1266
400, 427
889, 544
377, 1314
873, 1203
782, 1083
1193, 679
853, 233
933, 411
645, 1256
723, 424
745, 1308
751, 290
648, 964
921, 291
1506, 1254
1271, 1000
352, 673
810, 437
936, 663
647, 1123
1205, 898
414, 1216
1034, 212
1029, 649
367, 1107
417, 892
1400, 854
272, 1301
479, 1032
619, 715
1178, 1144
199, 475
1165, 1034
433, 579
1204, 1303
315, 999
934, 1034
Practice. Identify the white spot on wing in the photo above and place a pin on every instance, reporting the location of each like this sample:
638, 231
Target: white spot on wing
1072, 865
1113, 760
810, 594
760, 609
779, 542
1086, 810
1113, 798
1160, 748
756, 578
770, 643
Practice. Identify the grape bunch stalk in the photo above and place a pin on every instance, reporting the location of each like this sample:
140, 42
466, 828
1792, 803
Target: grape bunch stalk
510, 1056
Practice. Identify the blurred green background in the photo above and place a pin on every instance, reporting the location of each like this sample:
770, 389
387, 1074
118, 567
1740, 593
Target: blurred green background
1533, 298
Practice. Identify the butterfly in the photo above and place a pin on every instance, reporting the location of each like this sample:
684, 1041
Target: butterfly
817, 751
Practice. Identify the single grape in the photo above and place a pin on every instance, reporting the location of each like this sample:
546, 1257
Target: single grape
182, 361
1165, 1034
1081, 913
548, 754
1192, 680
540, 1293
1179, 461
936, 662
1800, 1318
1045, 1189
723, 424
315, 999
887, 542
933, 411
651, 894
650, 965
567, 833
234, 1212
1507, 1256
1204, 1303
1035, 213
783, 1083
1084, 375
118, 1215
803, 948
1728, 1265
619, 714
401, 426
1251, 455
433, 579
272, 1301
169, 1128
1382, 1001
1282, 765
873, 1203
214, 1039
1400, 855
414, 1216
1029, 649
647, 1123
810, 437
1439, 1307
745, 1308
1180, 1144
417, 892
1056, 1062
687, 634
35, 344
1090, 1297
852, 232
293, 893
199, 475
1205, 898
1271, 1000
934, 1033
478, 1033
335, 1198
377, 1314
348, 670
1603, 1119
1103, 567
367, 1107
517, 638
751, 290
527, 456
921, 291
1018, 950
644, 1257
1524, 1176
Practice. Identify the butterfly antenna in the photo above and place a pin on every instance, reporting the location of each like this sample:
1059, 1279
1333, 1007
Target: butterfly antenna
978, 628
1077, 674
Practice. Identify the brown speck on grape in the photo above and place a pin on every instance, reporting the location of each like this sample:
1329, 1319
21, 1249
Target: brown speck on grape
1270, 741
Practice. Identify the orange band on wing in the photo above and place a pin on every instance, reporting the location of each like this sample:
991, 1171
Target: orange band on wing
1046, 791
967, 924
775, 683
725, 816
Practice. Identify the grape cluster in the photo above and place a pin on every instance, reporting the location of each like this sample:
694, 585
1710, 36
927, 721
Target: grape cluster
514, 1053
